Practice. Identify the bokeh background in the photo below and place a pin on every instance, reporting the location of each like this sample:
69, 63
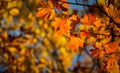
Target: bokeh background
30, 45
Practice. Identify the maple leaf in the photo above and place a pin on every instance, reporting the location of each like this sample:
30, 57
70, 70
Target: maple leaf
46, 11
110, 62
66, 25
61, 27
74, 20
75, 43
97, 50
63, 5
87, 34
98, 23
59, 4
111, 47
88, 19
114, 13
98, 53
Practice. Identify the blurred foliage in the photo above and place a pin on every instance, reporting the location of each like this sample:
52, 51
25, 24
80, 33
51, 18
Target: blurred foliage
59, 40
29, 45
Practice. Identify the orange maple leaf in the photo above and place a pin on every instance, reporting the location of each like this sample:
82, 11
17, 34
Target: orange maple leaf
97, 50
75, 43
46, 11
59, 4
110, 62
74, 19
97, 53
61, 26
66, 25
87, 34
111, 47
88, 19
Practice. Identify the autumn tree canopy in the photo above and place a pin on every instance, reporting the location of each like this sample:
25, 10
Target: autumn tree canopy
44, 36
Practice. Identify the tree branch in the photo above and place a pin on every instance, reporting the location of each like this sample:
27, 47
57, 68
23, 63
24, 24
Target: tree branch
117, 24
78, 4
98, 7
94, 34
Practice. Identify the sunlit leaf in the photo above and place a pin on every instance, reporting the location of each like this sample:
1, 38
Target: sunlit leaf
88, 19
86, 34
110, 63
111, 47
14, 11
115, 69
61, 27
75, 43
49, 14
98, 53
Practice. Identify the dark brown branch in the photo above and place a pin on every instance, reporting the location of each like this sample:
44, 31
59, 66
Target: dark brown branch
112, 34
93, 33
98, 7
117, 24
78, 4
76, 1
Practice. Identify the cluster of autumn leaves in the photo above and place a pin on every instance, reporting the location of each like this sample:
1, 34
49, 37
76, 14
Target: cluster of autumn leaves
31, 45
102, 34
28, 44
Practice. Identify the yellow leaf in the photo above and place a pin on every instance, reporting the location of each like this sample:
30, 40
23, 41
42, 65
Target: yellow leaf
21, 59
42, 60
23, 51
5, 35
6, 55
101, 2
14, 12
12, 4
34, 40
115, 68
12, 49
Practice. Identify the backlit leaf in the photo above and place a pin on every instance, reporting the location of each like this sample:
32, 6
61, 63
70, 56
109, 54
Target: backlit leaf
111, 47
88, 19
46, 13
75, 43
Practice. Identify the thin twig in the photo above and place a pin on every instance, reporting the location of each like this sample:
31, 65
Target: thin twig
117, 24
78, 4
93, 33
98, 7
